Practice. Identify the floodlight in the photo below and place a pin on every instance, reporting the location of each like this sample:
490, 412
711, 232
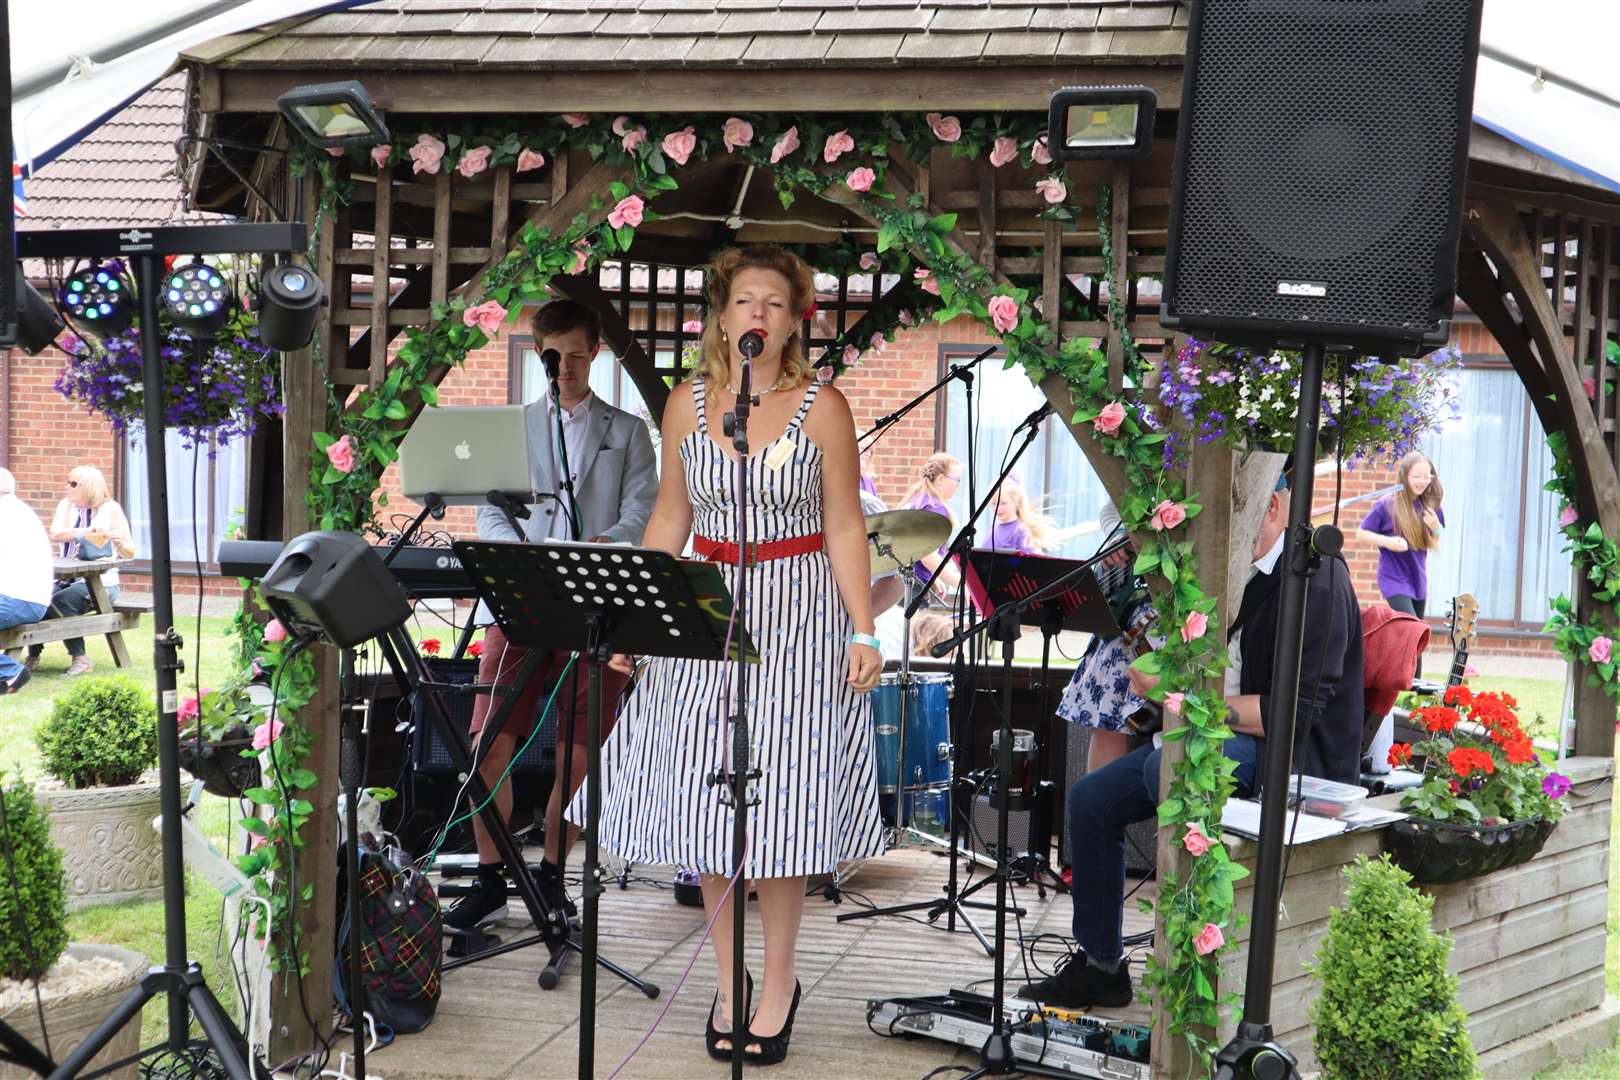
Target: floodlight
99, 300
197, 298
334, 115
289, 299
1092, 122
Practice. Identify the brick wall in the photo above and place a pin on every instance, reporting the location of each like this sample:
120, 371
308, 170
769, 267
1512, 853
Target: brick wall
48, 435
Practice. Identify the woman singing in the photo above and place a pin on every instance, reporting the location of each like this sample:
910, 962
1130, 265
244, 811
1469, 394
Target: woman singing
809, 614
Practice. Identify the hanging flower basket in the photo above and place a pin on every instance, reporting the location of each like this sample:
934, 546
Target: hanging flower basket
1441, 852
219, 763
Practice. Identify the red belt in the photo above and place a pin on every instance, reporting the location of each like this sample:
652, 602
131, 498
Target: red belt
721, 552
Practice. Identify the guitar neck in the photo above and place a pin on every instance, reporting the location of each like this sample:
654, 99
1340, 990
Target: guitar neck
1459, 664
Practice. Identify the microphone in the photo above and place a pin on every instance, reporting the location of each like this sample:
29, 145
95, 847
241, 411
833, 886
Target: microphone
1033, 420
751, 344
552, 361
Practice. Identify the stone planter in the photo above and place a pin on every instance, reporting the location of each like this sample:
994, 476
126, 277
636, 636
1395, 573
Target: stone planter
1440, 852
78, 993
110, 852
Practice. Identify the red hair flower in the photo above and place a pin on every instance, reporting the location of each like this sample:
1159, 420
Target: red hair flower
809, 312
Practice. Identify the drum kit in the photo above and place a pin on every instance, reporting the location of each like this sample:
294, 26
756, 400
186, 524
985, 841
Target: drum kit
911, 712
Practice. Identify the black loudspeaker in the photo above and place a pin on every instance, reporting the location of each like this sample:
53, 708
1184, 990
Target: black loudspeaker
333, 585
429, 755
1319, 174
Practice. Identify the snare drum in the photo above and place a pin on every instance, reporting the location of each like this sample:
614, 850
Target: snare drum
928, 732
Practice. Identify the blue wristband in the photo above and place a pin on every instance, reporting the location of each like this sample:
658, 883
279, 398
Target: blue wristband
868, 640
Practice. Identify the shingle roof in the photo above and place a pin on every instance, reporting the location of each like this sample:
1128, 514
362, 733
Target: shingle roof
122, 173
720, 33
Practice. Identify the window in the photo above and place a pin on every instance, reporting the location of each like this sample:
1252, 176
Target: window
205, 494
1501, 541
609, 380
1054, 470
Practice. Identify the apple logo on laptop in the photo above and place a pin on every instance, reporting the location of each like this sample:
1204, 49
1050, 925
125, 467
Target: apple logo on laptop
463, 451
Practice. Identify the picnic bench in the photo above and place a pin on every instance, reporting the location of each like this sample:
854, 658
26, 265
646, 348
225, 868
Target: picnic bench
109, 618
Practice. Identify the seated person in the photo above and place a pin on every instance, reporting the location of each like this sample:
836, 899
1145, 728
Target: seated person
25, 574
89, 524
1327, 744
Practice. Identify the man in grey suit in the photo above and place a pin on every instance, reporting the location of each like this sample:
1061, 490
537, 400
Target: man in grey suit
610, 457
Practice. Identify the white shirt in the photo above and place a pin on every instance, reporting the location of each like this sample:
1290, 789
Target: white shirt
573, 425
25, 553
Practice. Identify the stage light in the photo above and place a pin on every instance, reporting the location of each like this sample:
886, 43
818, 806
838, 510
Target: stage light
37, 322
197, 298
1091, 122
334, 115
289, 299
99, 300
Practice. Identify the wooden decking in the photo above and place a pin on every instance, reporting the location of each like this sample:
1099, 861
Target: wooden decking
494, 1021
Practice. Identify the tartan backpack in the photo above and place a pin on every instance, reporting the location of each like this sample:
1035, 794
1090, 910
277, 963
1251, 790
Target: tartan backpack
400, 942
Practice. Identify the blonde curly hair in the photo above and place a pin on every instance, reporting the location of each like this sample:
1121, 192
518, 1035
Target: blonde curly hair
713, 361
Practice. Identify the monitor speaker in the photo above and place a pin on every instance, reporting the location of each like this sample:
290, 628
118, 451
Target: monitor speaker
1320, 162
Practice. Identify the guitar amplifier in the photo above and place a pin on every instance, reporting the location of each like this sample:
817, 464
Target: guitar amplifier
1029, 830
430, 756
1141, 839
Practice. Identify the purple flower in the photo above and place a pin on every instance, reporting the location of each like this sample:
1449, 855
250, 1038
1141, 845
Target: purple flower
1555, 785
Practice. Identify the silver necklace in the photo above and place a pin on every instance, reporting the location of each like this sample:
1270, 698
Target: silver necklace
783, 382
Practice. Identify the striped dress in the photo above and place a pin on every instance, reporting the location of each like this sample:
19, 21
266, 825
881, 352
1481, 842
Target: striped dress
810, 735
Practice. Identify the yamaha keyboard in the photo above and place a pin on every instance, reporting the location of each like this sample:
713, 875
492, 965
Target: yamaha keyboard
424, 572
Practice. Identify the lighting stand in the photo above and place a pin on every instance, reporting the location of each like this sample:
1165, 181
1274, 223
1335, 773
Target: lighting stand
1253, 1053
735, 424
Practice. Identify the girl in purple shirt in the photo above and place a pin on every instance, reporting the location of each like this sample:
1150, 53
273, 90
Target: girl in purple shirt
937, 481
1020, 528
1405, 526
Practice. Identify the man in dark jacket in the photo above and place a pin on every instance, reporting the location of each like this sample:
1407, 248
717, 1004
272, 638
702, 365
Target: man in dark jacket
1327, 743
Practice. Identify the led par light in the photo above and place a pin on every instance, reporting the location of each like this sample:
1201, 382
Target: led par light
99, 300
197, 298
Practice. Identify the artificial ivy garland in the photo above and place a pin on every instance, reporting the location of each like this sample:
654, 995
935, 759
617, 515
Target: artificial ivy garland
845, 159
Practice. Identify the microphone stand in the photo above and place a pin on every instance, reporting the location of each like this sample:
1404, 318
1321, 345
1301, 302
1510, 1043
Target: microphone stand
954, 901
735, 425
957, 371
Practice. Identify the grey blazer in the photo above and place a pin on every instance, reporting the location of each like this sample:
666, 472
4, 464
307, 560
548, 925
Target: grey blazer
618, 478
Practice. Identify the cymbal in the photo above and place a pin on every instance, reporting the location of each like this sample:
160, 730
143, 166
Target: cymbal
897, 538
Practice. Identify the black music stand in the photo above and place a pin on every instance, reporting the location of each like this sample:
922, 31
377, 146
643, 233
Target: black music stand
598, 599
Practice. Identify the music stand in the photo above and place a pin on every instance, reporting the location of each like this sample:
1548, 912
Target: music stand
598, 599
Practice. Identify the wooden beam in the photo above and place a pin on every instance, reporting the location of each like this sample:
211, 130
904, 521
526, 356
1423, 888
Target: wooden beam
439, 289
987, 215
1051, 276
304, 393
1119, 217
758, 89
379, 276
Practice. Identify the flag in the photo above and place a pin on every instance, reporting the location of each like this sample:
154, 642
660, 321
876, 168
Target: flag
19, 202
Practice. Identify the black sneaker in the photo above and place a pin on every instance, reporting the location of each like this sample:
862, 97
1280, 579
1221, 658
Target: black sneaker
1075, 984
483, 904
18, 681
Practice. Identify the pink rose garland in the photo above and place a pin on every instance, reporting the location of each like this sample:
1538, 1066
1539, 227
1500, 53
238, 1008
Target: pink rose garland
860, 179
1110, 418
486, 317
275, 632
1601, 651
530, 159
1003, 313
576, 119
628, 212
1209, 939
1005, 150
946, 128
1052, 190
426, 154
926, 281
1167, 515
837, 144
341, 455
788, 143
737, 132
1567, 517
1195, 841
474, 161
678, 145
1195, 626
380, 155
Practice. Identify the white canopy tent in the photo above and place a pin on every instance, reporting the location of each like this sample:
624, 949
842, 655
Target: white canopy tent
65, 87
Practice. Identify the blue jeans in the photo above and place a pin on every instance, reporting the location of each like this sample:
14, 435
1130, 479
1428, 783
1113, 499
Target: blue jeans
1101, 804
71, 600
14, 612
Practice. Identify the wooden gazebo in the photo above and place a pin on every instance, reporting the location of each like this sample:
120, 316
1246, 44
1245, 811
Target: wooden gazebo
1539, 265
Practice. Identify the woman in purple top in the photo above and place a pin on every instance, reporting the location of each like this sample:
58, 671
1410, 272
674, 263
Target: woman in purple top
1019, 527
1406, 526
936, 483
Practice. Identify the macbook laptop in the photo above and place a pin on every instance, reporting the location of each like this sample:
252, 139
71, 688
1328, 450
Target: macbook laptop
463, 453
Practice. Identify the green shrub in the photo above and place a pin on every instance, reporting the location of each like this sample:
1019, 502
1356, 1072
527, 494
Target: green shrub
39, 900
1388, 1010
102, 732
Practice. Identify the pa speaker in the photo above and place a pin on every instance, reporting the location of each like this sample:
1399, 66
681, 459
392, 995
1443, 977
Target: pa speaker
1319, 171
333, 585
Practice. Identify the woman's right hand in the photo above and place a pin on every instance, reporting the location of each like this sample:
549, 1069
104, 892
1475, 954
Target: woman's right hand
1397, 544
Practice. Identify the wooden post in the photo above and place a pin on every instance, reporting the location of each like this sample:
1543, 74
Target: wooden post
304, 389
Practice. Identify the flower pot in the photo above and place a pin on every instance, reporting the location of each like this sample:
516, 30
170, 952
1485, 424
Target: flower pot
110, 852
220, 765
1441, 852
78, 993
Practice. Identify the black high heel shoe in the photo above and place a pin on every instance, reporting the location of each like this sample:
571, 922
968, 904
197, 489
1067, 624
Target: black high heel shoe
711, 1036
773, 1048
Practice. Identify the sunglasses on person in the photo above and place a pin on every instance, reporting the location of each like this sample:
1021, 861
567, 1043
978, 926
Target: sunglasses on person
73, 483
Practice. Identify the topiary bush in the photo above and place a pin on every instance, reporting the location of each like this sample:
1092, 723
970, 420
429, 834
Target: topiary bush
1388, 1010
38, 901
101, 733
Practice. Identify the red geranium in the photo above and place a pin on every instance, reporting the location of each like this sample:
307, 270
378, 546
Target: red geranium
1459, 695
1438, 717
1465, 760
1400, 754
476, 649
431, 646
